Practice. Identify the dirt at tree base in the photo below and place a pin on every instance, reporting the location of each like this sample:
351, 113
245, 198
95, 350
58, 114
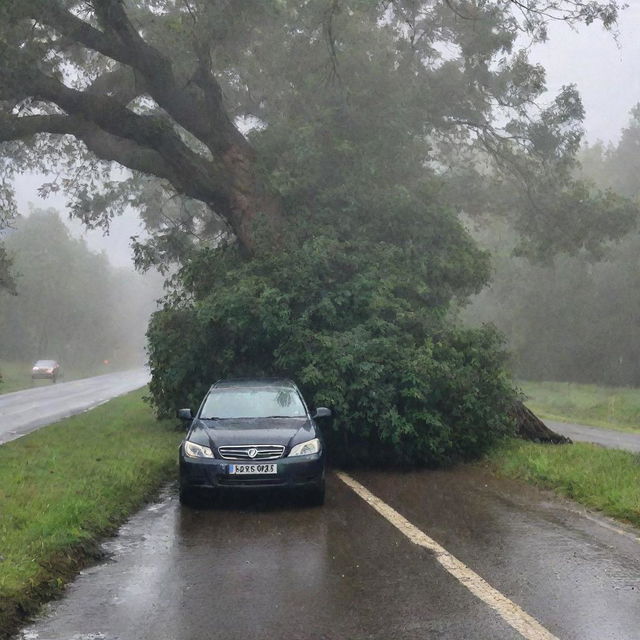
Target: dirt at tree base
530, 427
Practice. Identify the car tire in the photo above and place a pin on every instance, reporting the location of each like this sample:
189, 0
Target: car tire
315, 496
188, 497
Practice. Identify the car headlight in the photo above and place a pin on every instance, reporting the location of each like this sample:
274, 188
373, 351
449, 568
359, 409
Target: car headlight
306, 448
193, 450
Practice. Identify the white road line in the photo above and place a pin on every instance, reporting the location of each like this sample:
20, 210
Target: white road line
509, 611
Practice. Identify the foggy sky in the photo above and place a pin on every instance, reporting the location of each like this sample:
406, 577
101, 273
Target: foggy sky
607, 75
116, 244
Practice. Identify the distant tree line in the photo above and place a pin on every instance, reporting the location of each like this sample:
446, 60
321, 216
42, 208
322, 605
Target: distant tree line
70, 303
577, 317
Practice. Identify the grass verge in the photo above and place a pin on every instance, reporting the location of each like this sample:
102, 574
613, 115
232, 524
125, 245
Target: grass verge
64, 487
603, 479
608, 407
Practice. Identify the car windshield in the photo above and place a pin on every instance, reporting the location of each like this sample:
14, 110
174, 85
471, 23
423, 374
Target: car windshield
253, 402
45, 363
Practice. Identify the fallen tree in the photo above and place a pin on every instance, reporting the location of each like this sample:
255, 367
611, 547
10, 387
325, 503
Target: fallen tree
530, 427
322, 241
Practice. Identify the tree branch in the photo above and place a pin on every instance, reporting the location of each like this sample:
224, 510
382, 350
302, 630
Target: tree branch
228, 183
152, 132
122, 83
113, 18
52, 13
103, 144
197, 106
17, 128
200, 112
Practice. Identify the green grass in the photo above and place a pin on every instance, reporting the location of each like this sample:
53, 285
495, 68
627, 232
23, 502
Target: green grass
603, 479
65, 486
608, 407
17, 375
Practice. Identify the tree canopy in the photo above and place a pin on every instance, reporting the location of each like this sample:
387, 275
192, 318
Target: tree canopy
305, 163
162, 86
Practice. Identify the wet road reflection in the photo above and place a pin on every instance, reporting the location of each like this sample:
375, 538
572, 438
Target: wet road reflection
577, 577
270, 568
266, 569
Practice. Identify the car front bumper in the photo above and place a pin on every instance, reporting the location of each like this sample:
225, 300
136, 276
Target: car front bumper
293, 473
42, 375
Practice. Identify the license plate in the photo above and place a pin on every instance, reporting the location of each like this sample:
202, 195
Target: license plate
252, 469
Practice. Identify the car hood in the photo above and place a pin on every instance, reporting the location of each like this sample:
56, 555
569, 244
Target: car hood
238, 431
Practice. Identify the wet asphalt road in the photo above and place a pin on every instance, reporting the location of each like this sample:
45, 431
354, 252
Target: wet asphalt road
24, 411
605, 437
266, 568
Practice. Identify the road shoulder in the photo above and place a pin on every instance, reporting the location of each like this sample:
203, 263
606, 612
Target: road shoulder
609, 438
62, 489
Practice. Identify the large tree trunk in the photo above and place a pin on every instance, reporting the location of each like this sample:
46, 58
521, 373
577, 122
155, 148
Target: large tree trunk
530, 427
248, 198
220, 170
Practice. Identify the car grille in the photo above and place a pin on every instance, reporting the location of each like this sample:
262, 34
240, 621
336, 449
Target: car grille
241, 452
241, 481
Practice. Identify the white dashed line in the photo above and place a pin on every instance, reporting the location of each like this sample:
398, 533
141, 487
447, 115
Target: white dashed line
509, 611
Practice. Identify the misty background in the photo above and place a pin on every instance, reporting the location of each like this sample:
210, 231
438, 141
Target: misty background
72, 303
574, 318
577, 317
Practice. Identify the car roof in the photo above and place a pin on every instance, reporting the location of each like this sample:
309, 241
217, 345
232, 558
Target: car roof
253, 382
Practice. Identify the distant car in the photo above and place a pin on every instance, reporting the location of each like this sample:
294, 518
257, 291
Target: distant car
47, 369
253, 434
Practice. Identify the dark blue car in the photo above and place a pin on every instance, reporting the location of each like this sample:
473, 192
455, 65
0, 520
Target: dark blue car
253, 434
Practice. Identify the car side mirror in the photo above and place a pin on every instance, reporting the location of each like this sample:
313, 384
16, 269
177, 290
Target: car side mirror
322, 412
185, 414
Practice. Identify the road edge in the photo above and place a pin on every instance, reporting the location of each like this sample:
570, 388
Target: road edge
62, 566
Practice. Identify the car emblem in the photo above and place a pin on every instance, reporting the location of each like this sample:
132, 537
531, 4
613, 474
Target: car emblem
252, 453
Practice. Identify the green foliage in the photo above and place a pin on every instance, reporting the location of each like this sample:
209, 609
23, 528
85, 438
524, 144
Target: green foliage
60, 285
6, 279
353, 300
362, 325
388, 110
372, 122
